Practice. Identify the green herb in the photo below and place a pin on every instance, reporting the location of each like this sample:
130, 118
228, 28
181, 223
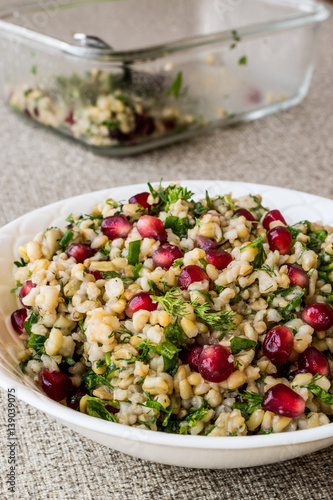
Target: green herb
175, 193
34, 69
242, 61
325, 396
261, 256
252, 401
194, 416
208, 201
37, 342
152, 191
81, 323
95, 408
179, 226
175, 334
18, 285
68, 360
111, 125
136, 270
235, 36
106, 249
124, 99
221, 321
266, 431
178, 262
176, 86
173, 302
134, 252
70, 219
294, 233
31, 320
267, 269
91, 380
66, 239
238, 344
286, 311
153, 287
20, 263
199, 209
227, 199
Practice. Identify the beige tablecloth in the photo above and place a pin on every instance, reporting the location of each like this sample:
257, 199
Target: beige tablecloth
291, 149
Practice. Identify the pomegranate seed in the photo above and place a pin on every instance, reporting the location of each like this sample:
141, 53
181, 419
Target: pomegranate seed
272, 216
79, 252
293, 371
165, 255
56, 385
141, 300
283, 401
297, 276
319, 316
218, 258
18, 318
246, 213
205, 243
96, 274
278, 344
279, 238
215, 363
111, 409
191, 274
116, 226
282, 370
314, 361
151, 227
193, 357
70, 118
25, 290
140, 199
73, 399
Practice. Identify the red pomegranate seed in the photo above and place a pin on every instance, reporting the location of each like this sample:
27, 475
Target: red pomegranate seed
141, 300
73, 399
165, 255
25, 290
151, 227
314, 361
278, 344
283, 401
279, 238
218, 258
319, 316
116, 226
98, 275
193, 357
272, 216
191, 274
18, 318
297, 276
245, 213
56, 385
79, 252
140, 199
215, 363
205, 243
111, 409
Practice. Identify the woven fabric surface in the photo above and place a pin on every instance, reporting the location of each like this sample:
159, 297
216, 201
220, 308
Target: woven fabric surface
290, 149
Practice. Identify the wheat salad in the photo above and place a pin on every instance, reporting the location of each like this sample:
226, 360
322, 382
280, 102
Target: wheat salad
163, 312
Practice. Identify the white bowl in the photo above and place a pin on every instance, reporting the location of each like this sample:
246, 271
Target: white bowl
187, 451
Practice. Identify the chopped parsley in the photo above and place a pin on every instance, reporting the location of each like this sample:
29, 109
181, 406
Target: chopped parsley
176, 86
239, 344
251, 402
134, 252
179, 226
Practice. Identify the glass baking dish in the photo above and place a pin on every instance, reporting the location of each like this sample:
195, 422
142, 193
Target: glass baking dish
125, 76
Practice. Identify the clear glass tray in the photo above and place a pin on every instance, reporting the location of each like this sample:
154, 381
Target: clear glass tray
125, 76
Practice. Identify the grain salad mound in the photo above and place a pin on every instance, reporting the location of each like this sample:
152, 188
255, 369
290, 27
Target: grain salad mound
207, 317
